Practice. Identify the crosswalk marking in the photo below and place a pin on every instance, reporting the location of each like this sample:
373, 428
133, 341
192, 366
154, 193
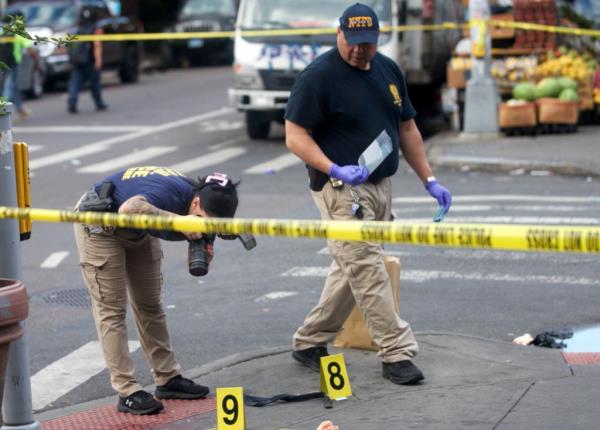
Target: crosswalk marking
275, 165
420, 276
81, 129
127, 159
275, 295
103, 145
59, 157
507, 219
65, 374
209, 159
503, 197
54, 259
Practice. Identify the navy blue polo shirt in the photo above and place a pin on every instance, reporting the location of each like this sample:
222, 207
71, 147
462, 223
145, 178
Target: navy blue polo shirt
346, 108
162, 187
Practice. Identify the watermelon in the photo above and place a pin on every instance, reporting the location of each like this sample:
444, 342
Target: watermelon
524, 91
568, 95
547, 87
565, 83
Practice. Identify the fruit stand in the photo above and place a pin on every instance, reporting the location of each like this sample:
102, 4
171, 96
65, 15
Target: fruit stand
549, 82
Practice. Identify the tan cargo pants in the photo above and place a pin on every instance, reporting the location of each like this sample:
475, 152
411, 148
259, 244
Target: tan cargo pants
357, 274
114, 268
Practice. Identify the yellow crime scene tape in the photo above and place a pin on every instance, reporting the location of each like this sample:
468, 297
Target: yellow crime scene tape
488, 236
312, 31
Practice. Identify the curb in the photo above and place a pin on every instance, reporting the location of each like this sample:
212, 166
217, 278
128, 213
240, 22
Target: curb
508, 165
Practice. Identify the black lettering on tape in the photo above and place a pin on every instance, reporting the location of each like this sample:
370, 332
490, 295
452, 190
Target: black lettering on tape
263, 228
280, 229
375, 233
443, 235
572, 241
542, 239
475, 237
309, 229
592, 242
245, 226
404, 234
423, 234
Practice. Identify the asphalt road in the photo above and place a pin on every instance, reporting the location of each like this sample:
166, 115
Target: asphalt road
256, 299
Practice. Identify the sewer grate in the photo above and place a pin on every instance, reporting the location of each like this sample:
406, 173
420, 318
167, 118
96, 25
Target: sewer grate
72, 297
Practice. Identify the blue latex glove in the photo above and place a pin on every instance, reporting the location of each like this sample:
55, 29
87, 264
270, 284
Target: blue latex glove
351, 175
441, 194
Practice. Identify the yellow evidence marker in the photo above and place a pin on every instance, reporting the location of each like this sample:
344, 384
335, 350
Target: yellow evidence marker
334, 377
230, 409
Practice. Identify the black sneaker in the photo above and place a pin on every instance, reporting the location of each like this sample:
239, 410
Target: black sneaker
102, 107
311, 357
139, 403
179, 387
402, 372
72, 109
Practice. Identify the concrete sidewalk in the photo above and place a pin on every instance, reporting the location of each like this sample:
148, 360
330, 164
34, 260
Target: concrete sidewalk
562, 154
471, 383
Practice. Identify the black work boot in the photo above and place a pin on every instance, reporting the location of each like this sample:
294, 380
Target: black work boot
311, 357
139, 403
402, 372
179, 387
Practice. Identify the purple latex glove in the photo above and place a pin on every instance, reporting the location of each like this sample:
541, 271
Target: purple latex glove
441, 194
351, 175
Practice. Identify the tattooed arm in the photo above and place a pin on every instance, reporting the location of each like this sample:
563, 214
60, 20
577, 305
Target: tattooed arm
139, 205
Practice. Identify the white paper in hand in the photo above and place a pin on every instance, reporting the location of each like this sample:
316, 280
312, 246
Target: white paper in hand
376, 152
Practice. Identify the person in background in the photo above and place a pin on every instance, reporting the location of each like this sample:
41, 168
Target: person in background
12, 56
339, 104
86, 62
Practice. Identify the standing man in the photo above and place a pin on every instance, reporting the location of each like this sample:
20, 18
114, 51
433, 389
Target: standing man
121, 263
86, 62
339, 104
14, 57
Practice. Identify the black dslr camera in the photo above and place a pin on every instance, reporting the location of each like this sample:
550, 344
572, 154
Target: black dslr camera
198, 255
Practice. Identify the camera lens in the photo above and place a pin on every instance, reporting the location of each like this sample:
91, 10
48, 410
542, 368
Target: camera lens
198, 258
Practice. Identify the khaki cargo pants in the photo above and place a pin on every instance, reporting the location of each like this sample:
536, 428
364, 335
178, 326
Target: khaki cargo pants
357, 274
113, 268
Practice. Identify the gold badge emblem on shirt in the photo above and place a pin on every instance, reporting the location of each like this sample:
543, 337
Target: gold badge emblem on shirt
396, 95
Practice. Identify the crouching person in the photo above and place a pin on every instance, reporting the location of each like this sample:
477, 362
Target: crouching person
119, 263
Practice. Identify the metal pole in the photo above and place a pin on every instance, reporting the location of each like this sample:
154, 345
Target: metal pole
16, 405
481, 101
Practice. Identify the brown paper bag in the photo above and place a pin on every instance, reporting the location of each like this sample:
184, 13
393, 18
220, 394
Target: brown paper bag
355, 333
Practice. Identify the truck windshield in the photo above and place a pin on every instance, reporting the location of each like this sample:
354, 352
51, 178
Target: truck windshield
203, 7
270, 14
46, 14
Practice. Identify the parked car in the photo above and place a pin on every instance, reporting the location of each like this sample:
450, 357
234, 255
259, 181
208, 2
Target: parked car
56, 18
201, 16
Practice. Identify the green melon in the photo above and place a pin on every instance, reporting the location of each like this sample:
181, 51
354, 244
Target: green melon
524, 91
565, 83
547, 87
568, 95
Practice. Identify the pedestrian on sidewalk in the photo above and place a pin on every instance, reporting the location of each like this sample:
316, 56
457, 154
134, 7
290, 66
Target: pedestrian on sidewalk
86, 62
12, 56
339, 104
118, 263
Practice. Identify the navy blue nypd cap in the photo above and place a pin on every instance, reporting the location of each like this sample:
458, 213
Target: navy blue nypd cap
360, 24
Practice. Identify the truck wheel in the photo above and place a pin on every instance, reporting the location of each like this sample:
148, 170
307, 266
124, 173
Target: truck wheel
257, 125
128, 72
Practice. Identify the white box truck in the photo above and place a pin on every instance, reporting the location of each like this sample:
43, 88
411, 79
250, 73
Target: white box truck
267, 64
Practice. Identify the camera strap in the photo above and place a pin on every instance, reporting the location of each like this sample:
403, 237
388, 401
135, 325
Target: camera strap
290, 398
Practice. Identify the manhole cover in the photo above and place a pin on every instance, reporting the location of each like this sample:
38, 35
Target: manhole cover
74, 297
